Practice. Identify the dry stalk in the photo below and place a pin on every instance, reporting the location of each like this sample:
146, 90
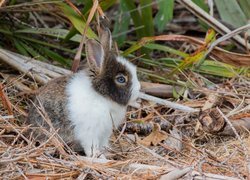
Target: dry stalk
210, 20
226, 37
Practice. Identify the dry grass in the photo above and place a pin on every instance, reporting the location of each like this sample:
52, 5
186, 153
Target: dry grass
20, 158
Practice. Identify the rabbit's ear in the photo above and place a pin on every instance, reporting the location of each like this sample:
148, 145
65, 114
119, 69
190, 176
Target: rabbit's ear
105, 39
95, 54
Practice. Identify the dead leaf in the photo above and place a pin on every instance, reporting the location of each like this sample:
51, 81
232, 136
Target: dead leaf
155, 137
175, 140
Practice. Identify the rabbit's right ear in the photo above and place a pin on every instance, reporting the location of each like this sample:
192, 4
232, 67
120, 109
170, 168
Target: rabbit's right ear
95, 55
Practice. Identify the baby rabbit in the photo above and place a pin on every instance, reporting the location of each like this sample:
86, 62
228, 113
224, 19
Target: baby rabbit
86, 105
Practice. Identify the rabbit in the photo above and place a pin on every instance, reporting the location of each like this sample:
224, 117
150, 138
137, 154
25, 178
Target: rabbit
85, 106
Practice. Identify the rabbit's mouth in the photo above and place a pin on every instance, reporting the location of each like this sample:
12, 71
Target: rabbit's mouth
133, 99
134, 96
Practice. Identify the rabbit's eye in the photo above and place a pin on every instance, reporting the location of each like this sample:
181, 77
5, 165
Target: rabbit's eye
120, 79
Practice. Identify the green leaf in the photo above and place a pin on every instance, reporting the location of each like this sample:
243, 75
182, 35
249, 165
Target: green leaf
76, 20
35, 54
20, 48
165, 49
39, 42
121, 24
72, 32
147, 17
105, 4
57, 33
55, 57
165, 13
208, 67
153, 46
216, 69
202, 5
231, 12
87, 6
245, 6
136, 17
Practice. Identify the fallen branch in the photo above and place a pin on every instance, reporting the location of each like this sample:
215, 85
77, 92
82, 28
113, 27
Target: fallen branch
158, 90
27, 66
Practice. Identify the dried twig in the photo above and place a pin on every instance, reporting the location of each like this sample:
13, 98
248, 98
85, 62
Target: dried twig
167, 103
5, 100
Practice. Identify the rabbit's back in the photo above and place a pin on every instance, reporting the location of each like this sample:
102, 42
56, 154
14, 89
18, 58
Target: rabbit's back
53, 99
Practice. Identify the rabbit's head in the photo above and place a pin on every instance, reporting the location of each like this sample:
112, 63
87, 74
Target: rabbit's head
113, 76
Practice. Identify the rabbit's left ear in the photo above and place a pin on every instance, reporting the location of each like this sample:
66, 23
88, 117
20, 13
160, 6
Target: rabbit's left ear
95, 55
105, 39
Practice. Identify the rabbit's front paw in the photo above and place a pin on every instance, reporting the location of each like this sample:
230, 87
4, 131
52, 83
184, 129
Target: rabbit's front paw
97, 154
94, 151
101, 156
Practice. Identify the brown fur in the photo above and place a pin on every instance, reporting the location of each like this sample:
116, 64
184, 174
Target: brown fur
53, 98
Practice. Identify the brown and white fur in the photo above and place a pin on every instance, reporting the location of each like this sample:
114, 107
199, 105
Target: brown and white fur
85, 106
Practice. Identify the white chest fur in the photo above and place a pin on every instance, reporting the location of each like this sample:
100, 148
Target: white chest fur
92, 114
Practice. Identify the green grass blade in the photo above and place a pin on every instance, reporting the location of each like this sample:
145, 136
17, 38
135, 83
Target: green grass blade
153, 46
165, 13
245, 6
202, 5
121, 24
231, 12
55, 46
76, 20
135, 15
57, 33
217, 69
147, 17
56, 57
72, 32
35, 54
208, 67
20, 48
105, 4
165, 49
